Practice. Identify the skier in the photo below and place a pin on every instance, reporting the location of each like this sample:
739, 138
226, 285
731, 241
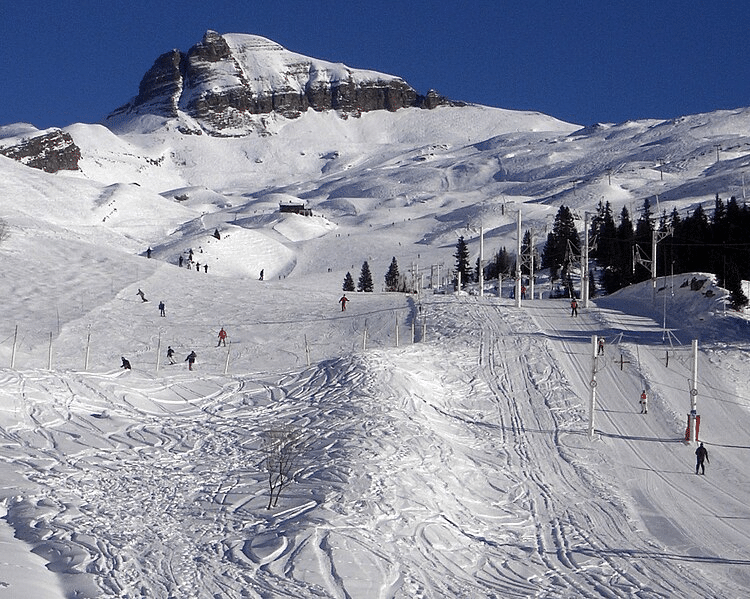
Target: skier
260, 278
162, 308
143, 297
179, 262
644, 402
125, 363
573, 307
600, 350
148, 253
205, 268
170, 354
343, 301
701, 454
191, 360
222, 337
523, 292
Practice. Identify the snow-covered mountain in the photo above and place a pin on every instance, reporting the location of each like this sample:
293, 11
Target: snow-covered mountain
440, 440
224, 82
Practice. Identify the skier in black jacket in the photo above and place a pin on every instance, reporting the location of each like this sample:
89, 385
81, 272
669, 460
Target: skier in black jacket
701, 454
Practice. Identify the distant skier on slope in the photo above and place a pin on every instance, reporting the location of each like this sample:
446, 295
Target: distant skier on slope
573, 307
701, 454
125, 363
142, 295
162, 308
170, 355
600, 349
222, 337
191, 360
343, 301
644, 402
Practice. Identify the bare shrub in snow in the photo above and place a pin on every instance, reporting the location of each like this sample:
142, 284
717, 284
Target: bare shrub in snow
283, 450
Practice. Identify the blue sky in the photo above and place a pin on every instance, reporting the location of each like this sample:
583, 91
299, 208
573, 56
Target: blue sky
583, 61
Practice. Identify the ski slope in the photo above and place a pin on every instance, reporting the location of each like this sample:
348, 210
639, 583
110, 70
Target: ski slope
456, 466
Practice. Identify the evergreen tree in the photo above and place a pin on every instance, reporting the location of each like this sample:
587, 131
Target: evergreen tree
644, 229
462, 261
500, 264
620, 273
365, 278
526, 252
563, 244
737, 297
392, 276
348, 282
606, 240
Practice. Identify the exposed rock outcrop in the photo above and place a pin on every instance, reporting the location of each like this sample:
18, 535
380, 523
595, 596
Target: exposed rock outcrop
225, 81
50, 151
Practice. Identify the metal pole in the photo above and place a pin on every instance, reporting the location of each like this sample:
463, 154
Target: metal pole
481, 261
396, 331
518, 261
307, 351
13, 353
694, 394
531, 264
49, 353
86, 356
592, 386
585, 263
653, 263
226, 363
158, 353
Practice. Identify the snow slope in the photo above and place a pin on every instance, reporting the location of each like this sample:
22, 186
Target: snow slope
443, 447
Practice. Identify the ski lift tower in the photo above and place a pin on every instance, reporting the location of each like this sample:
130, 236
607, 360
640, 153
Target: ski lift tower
650, 263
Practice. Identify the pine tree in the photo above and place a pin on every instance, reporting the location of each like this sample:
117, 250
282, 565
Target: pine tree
365, 278
462, 261
500, 264
392, 276
526, 252
563, 238
348, 282
737, 297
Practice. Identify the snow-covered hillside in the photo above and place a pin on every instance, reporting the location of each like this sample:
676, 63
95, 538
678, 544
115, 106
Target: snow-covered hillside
442, 446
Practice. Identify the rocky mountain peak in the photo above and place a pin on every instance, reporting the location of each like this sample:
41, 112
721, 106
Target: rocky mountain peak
225, 83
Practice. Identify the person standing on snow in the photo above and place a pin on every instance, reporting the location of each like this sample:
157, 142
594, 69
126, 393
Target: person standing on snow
191, 360
222, 337
343, 301
170, 354
573, 307
600, 350
162, 308
644, 402
701, 454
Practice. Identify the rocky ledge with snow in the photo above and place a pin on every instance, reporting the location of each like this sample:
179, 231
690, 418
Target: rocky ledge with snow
51, 150
224, 82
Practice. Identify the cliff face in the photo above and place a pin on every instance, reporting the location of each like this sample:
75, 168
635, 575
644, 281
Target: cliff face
51, 151
223, 83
